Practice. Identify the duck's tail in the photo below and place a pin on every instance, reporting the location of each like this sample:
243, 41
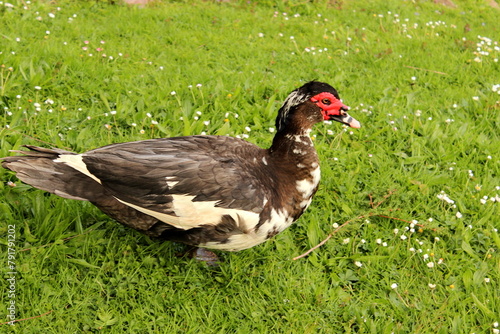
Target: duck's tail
38, 167
41, 168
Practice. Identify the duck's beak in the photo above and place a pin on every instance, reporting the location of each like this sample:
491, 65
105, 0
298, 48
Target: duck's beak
343, 117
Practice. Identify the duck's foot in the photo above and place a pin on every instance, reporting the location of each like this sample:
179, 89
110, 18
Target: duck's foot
205, 255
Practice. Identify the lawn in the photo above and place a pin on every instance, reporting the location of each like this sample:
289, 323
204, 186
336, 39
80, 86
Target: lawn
411, 201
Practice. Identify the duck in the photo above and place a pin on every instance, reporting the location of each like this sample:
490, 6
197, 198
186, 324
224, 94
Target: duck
207, 191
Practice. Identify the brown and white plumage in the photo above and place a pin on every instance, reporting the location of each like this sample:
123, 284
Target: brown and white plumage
210, 191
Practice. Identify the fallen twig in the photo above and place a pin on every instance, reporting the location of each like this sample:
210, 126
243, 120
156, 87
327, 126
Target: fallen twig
326, 239
18, 320
65, 239
424, 69
36, 139
370, 214
344, 224
382, 201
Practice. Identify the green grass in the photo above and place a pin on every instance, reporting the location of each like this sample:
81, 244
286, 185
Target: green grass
409, 71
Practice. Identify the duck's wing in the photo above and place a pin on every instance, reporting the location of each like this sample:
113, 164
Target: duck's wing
184, 181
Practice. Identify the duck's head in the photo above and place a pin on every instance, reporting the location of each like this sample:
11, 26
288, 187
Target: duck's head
312, 103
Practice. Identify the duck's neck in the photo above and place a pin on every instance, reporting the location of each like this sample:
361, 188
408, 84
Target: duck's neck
296, 169
296, 146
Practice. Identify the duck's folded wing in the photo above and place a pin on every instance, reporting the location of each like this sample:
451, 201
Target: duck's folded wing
184, 181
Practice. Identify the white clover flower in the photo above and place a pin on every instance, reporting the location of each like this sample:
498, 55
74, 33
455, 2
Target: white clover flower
430, 264
432, 286
394, 286
458, 214
346, 241
444, 197
358, 264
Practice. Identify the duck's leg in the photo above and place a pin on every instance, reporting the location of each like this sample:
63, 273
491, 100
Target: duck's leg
205, 255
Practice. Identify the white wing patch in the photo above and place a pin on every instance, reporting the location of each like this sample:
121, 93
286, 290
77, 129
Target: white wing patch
190, 214
171, 183
76, 161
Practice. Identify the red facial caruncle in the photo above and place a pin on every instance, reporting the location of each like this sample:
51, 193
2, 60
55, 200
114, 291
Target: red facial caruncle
329, 104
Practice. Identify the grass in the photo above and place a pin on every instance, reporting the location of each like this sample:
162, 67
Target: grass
414, 76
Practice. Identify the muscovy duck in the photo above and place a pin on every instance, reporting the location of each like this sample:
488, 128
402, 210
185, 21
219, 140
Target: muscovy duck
214, 192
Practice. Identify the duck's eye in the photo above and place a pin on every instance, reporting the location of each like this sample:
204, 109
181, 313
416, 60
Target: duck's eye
326, 101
